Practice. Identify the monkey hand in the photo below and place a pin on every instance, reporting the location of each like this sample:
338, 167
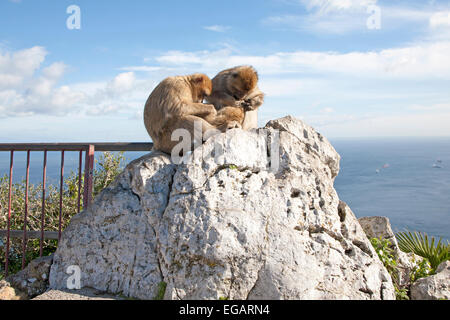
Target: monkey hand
246, 105
211, 110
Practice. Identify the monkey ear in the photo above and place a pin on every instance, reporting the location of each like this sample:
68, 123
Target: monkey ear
198, 78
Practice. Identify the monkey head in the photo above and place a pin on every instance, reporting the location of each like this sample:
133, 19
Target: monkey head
243, 80
201, 86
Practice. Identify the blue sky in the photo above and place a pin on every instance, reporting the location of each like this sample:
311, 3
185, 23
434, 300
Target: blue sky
318, 60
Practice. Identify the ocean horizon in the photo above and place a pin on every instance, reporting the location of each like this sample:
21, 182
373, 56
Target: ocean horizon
404, 179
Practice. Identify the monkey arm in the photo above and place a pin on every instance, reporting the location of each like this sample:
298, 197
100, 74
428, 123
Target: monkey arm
199, 109
222, 99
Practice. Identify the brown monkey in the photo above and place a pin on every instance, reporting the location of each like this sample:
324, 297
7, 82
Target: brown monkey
177, 103
237, 88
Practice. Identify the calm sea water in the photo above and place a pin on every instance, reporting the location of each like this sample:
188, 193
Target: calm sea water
411, 189
389, 177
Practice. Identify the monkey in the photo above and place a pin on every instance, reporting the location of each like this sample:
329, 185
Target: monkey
176, 103
237, 88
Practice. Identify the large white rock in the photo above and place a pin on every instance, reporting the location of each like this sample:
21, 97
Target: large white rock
236, 226
434, 287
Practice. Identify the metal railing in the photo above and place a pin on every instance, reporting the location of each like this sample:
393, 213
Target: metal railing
89, 149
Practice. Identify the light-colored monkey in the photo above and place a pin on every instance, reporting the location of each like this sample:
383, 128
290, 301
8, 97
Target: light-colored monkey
237, 88
176, 103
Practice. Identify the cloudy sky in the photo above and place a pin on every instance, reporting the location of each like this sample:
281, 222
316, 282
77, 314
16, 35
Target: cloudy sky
350, 68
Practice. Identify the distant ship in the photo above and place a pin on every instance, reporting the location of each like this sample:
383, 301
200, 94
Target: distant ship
436, 166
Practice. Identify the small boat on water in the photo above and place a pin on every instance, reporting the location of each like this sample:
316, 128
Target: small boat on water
436, 166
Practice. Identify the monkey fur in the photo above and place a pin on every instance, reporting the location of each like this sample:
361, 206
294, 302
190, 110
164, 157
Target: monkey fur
235, 94
176, 103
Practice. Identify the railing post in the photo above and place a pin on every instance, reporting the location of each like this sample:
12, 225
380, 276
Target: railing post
9, 214
80, 172
61, 191
88, 175
44, 177
25, 218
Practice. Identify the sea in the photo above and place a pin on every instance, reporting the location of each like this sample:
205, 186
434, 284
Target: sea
404, 179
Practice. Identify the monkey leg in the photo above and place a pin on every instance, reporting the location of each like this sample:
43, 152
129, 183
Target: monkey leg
190, 131
228, 118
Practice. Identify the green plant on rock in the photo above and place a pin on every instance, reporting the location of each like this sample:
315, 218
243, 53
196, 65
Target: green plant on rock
383, 248
419, 244
161, 291
401, 294
420, 270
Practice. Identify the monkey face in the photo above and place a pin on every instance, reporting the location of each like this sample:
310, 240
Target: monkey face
243, 81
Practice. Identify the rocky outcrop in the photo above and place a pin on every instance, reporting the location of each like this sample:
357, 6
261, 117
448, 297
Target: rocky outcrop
434, 287
29, 282
251, 215
7, 292
33, 280
380, 227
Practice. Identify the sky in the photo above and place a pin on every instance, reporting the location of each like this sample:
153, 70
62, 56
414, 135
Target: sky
351, 69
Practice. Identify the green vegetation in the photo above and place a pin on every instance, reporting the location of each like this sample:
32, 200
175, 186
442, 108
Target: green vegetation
419, 244
401, 294
385, 252
422, 269
383, 248
108, 166
161, 291
432, 254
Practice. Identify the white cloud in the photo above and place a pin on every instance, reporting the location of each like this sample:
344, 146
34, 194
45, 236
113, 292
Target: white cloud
326, 6
422, 60
27, 89
440, 19
346, 16
217, 28
122, 83
327, 110
326, 16
16, 67
292, 81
